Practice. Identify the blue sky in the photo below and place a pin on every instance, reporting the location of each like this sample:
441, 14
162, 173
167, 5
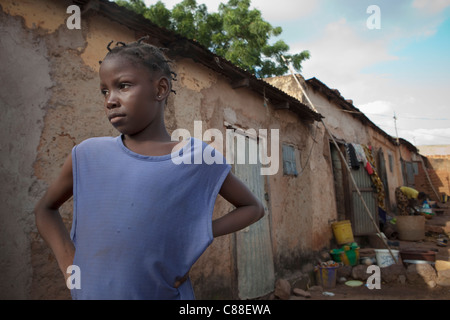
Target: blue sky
403, 67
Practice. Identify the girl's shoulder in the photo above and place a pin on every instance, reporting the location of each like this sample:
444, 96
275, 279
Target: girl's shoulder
95, 141
95, 145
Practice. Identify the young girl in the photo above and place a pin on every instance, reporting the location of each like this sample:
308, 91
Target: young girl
140, 221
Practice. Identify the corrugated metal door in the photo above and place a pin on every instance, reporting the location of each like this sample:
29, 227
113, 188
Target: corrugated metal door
253, 244
361, 222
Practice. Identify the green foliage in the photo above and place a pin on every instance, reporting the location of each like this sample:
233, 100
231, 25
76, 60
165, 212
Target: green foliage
160, 15
235, 33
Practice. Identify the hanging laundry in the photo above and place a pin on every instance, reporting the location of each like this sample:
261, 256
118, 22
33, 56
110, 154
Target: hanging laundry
360, 154
353, 160
369, 168
375, 178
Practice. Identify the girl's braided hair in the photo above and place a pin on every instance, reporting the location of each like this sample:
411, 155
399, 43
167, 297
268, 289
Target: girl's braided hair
146, 54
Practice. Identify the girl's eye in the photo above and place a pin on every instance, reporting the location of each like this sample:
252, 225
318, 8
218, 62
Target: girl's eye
125, 85
104, 92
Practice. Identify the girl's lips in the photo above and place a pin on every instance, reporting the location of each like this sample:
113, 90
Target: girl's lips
115, 116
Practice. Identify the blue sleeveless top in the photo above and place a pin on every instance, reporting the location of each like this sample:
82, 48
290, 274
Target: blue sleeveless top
140, 222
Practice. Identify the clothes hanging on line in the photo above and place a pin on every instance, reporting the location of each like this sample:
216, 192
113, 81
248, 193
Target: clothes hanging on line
352, 157
357, 157
360, 154
375, 178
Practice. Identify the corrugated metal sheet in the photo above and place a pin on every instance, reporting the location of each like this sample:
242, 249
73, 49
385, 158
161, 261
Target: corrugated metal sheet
256, 275
361, 222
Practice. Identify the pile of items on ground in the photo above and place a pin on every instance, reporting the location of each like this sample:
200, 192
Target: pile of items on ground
356, 272
351, 265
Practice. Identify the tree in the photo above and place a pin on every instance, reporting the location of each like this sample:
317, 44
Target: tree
236, 33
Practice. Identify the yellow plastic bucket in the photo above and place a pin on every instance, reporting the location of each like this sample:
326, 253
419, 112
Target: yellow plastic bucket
343, 232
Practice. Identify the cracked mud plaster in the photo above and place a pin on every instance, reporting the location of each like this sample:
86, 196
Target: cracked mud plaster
195, 77
51, 102
23, 98
45, 15
101, 32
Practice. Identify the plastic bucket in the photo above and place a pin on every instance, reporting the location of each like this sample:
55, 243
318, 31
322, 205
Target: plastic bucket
326, 277
343, 232
384, 258
350, 257
336, 254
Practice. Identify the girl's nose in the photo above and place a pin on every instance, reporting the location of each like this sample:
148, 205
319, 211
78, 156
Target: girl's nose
111, 104
112, 101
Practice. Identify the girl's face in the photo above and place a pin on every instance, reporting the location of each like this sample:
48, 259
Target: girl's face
132, 94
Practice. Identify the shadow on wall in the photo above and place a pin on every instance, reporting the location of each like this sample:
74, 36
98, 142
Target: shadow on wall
438, 173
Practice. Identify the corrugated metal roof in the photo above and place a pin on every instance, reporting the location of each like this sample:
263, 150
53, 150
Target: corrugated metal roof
355, 112
181, 46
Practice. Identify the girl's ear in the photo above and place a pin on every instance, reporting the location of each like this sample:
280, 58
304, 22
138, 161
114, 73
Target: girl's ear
163, 89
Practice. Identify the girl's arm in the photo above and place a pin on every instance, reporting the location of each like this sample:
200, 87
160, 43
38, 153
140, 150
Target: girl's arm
49, 221
248, 208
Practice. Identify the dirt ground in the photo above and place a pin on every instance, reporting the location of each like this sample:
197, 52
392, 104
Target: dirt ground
387, 291
438, 225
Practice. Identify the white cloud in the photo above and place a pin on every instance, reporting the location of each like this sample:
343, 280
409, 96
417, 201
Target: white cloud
339, 56
431, 6
343, 50
285, 10
378, 107
381, 113
438, 136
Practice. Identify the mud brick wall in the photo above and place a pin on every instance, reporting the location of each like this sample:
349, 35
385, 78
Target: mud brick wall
438, 168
